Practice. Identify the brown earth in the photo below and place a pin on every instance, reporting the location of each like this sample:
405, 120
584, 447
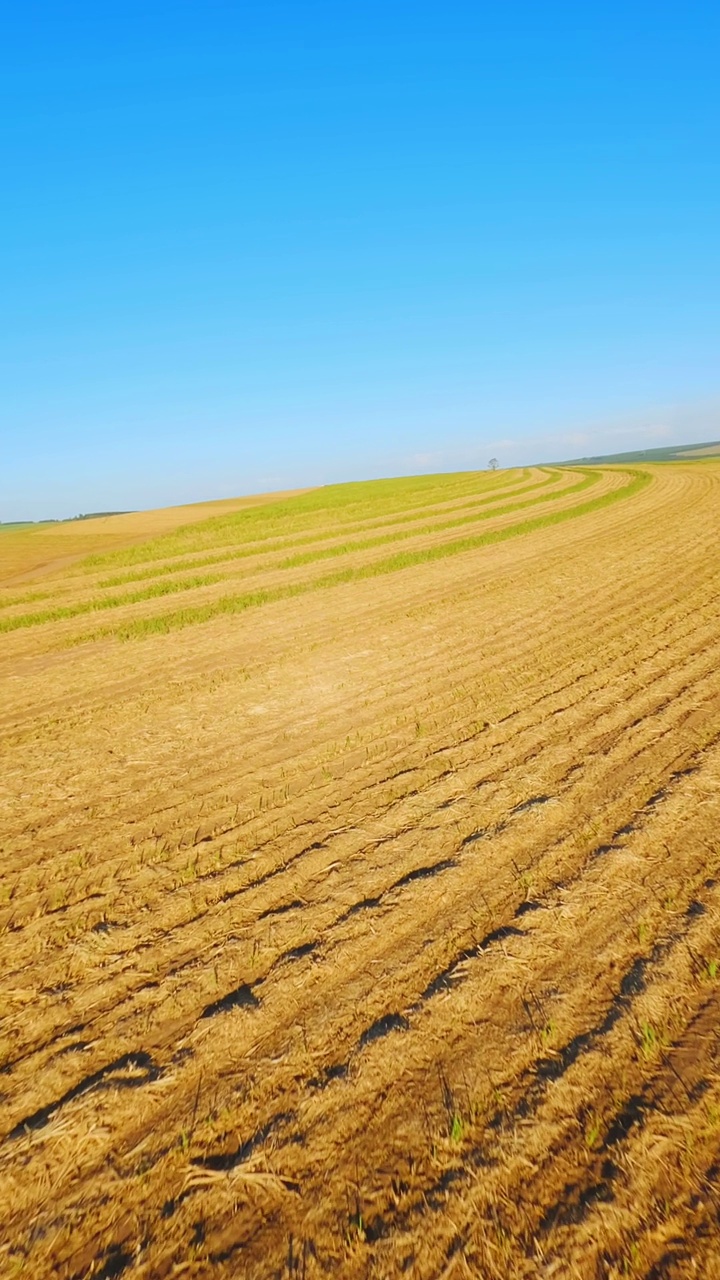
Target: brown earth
375, 932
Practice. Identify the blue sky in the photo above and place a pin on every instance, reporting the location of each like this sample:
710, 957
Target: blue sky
252, 246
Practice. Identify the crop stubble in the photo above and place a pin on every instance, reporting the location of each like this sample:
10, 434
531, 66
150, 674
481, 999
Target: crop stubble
373, 931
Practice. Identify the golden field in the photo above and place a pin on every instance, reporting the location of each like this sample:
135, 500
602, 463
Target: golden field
360, 883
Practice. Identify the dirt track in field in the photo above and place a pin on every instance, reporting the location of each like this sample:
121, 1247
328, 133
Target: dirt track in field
373, 931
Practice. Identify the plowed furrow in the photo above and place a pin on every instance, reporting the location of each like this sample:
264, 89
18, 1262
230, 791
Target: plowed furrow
201, 956
682, 676
372, 1023
630, 988
374, 933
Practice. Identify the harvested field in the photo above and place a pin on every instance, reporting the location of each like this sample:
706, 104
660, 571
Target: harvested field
360, 890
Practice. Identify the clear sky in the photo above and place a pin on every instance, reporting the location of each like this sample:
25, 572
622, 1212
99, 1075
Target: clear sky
256, 245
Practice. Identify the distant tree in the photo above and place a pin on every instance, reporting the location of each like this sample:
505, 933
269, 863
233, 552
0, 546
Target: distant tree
493, 464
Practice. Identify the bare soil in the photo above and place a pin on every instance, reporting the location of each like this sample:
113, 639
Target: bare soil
374, 932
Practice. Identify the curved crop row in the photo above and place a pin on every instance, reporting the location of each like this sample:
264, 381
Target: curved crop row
242, 601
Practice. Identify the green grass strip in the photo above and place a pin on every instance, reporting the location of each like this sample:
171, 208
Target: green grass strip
10, 601
363, 544
344, 503
231, 552
61, 612
232, 604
